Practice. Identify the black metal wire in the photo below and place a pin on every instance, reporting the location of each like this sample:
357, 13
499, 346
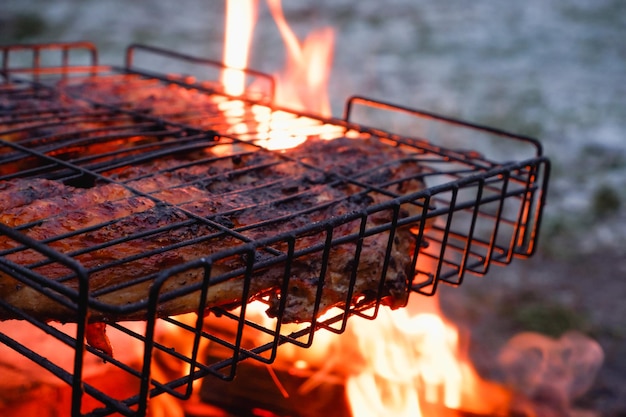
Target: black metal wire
479, 212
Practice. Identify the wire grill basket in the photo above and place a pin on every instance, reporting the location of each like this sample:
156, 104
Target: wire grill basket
66, 119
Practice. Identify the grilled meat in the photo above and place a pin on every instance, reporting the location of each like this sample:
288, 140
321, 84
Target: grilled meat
165, 213
21, 192
151, 98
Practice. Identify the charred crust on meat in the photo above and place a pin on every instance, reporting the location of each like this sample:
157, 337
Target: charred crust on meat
290, 188
317, 178
392, 263
350, 265
236, 159
397, 288
224, 221
361, 199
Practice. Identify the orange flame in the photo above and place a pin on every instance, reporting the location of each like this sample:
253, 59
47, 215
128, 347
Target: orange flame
412, 360
303, 84
413, 364
405, 360
240, 19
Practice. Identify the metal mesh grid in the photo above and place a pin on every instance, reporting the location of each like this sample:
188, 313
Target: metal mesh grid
86, 125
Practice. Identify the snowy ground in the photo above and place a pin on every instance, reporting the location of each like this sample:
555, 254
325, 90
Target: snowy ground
550, 69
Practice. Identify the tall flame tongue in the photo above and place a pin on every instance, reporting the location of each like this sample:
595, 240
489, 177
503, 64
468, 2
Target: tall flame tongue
303, 83
240, 19
301, 86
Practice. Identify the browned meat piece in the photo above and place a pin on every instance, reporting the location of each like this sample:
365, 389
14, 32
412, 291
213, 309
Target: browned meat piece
150, 97
190, 211
22, 192
23, 208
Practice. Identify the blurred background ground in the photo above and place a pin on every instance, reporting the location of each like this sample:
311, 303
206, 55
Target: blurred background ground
545, 68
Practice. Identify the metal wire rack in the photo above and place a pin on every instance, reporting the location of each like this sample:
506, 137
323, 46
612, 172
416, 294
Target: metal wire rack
69, 125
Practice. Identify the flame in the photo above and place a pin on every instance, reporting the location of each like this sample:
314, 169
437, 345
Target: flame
406, 360
412, 363
240, 19
303, 83
412, 360
301, 86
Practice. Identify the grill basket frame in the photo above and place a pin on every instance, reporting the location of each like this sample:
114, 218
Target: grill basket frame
484, 212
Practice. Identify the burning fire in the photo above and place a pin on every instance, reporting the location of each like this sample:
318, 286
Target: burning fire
406, 360
240, 18
411, 359
302, 86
